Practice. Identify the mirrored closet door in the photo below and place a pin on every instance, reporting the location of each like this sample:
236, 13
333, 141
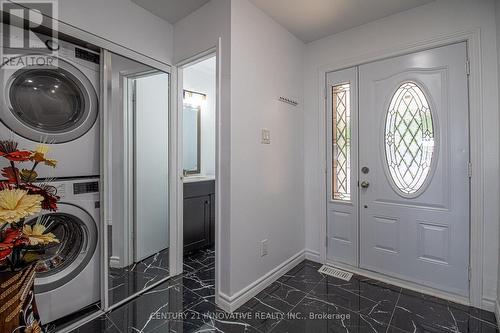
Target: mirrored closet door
136, 98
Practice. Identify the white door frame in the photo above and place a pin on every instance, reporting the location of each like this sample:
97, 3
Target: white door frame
472, 38
178, 233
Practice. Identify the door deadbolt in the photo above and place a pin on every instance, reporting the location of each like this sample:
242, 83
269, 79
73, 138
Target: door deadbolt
365, 170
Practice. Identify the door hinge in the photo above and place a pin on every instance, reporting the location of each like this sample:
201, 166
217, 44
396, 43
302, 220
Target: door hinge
326, 241
467, 67
469, 170
469, 272
325, 91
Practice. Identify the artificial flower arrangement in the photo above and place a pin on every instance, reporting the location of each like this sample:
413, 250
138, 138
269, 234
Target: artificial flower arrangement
20, 197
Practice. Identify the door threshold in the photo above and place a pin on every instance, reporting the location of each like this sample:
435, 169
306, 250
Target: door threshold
402, 283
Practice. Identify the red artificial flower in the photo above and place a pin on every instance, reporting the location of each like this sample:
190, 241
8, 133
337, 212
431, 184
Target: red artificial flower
49, 194
23, 240
5, 185
8, 149
10, 235
11, 174
5, 253
12, 238
17, 156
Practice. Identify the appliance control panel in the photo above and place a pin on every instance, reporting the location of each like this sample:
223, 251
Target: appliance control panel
85, 187
86, 55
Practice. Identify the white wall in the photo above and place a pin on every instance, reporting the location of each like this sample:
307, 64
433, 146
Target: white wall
266, 180
497, 19
196, 33
121, 22
121, 236
411, 27
261, 186
151, 165
200, 30
200, 78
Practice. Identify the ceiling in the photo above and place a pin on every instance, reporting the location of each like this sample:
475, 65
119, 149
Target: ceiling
171, 10
310, 20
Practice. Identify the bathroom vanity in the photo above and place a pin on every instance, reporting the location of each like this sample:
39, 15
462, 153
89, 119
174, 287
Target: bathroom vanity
199, 213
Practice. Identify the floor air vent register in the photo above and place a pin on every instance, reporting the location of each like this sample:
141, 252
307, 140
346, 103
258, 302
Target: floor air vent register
335, 272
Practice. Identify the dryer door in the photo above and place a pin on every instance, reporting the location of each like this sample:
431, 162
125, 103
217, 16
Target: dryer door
49, 103
77, 233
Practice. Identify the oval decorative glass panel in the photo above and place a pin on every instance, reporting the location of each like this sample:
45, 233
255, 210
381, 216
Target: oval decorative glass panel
409, 138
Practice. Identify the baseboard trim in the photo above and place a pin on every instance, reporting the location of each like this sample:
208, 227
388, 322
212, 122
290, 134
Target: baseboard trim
313, 256
489, 304
497, 311
403, 284
231, 303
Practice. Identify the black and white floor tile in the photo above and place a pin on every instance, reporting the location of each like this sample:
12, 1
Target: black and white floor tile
124, 282
302, 300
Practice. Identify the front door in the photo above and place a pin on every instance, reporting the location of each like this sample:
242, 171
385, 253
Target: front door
413, 183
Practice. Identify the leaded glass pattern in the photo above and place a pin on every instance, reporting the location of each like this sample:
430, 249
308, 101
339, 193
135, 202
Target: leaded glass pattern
341, 145
409, 138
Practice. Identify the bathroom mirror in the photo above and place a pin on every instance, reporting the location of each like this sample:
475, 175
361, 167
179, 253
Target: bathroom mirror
137, 99
191, 120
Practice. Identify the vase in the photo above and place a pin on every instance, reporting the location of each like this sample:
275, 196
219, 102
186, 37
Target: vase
18, 311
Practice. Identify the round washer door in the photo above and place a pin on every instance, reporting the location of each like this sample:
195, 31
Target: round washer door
77, 233
49, 103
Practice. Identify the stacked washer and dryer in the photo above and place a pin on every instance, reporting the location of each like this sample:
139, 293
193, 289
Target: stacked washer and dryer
59, 105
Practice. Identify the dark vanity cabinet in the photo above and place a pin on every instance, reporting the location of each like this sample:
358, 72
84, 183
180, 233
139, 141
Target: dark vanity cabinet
199, 215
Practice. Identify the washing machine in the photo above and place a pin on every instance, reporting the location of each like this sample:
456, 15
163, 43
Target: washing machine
68, 273
56, 103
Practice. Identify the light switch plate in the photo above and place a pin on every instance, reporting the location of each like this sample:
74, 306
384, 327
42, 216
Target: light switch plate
263, 247
265, 136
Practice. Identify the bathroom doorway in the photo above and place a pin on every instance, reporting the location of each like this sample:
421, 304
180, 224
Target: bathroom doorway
197, 107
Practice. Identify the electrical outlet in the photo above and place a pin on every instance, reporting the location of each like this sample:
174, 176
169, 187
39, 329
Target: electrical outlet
265, 137
263, 247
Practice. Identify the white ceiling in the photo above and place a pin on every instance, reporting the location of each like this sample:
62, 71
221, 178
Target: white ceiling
171, 10
310, 20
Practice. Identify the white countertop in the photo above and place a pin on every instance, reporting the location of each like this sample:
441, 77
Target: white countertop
197, 178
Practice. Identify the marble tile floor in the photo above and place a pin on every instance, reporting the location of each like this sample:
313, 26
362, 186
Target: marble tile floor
302, 300
124, 282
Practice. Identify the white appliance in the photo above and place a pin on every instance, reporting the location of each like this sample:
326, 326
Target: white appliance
55, 104
68, 276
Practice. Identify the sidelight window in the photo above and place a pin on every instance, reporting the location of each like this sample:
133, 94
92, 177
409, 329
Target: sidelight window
341, 145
